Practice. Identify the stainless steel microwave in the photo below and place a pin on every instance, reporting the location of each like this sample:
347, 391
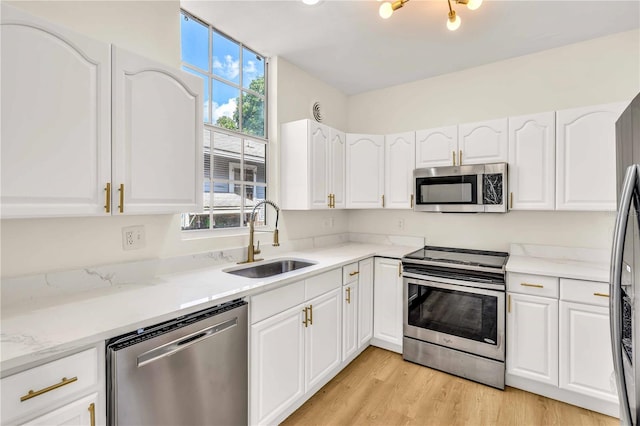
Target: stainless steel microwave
465, 189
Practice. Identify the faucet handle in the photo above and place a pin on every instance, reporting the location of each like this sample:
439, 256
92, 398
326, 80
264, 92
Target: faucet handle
257, 249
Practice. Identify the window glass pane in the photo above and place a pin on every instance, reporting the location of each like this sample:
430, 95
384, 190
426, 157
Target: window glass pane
254, 162
206, 142
226, 208
260, 211
226, 58
226, 157
205, 99
252, 71
194, 38
252, 114
199, 220
224, 108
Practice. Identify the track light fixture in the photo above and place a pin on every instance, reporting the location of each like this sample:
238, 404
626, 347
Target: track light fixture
453, 21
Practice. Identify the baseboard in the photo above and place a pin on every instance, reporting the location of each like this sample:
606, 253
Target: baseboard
573, 398
394, 347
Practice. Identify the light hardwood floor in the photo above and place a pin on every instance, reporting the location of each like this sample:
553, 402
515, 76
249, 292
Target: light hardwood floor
380, 388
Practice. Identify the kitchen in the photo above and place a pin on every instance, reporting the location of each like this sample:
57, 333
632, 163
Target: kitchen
544, 81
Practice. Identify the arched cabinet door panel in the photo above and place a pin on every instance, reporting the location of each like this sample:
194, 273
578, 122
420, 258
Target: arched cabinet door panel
157, 136
56, 112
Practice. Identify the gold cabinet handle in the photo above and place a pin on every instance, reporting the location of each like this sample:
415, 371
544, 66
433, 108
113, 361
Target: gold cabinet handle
107, 201
349, 295
333, 201
453, 155
92, 413
310, 314
306, 317
601, 294
121, 206
532, 285
508, 303
399, 269
411, 202
511, 200
33, 394
353, 273
329, 202
460, 158
382, 200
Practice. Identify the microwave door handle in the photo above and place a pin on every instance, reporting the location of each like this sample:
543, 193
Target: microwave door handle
615, 302
480, 199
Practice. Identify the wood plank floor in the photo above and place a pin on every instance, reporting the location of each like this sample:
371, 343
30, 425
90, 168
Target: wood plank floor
380, 388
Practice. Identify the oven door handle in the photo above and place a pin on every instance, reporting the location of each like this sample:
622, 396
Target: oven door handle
462, 288
461, 285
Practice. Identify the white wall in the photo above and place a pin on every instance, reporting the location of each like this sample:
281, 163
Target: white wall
588, 73
152, 29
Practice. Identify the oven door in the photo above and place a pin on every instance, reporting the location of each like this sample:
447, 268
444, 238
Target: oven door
459, 317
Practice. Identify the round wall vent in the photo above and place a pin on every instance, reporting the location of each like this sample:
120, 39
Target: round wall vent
317, 114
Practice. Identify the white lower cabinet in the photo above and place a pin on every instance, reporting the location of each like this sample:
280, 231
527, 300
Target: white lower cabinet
387, 323
294, 350
349, 319
558, 340
365, 302
532, 337
78, 413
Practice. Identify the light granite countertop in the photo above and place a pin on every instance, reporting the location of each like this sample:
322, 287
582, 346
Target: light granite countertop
34, 329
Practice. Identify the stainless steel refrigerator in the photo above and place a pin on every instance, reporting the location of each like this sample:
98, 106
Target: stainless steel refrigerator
625, 266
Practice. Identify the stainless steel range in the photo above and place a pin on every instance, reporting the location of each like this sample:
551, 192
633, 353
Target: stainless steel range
454, 312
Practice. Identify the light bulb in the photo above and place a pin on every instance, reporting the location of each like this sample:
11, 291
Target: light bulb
453, 23
474, 4
386, 10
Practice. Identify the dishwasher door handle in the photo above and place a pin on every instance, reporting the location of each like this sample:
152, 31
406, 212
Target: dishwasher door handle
184, 342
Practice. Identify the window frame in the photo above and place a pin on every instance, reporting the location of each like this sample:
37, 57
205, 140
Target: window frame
243, 136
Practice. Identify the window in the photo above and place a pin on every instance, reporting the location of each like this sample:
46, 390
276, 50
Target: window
235, 134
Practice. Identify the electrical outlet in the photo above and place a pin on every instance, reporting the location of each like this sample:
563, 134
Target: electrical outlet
133, 237
400, 223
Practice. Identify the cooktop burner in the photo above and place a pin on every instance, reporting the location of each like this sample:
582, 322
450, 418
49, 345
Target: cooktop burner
458, 256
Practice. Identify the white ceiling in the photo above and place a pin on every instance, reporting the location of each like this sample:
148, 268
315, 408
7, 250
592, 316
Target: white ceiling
347, 45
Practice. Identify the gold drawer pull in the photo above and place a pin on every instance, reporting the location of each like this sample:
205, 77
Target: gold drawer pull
121, 206
601, 294
107, 190
532, 285
33, 394
453, 154
353, 273
310, 314
306, 317
349, 295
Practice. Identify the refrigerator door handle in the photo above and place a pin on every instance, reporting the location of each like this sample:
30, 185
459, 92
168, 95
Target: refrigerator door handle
615, 302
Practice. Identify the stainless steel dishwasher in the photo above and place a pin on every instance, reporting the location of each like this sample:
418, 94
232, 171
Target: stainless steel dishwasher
188, 371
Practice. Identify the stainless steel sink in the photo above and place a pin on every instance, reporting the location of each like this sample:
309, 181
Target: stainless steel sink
270, 268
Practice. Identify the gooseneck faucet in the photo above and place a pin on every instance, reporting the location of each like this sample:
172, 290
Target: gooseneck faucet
251, 250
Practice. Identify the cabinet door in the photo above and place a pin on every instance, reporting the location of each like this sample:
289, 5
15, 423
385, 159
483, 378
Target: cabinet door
277, 364
78, 413
586, 157
365, 302
323, 337
319, 145
387, 320
532, 337
56, 115
365, 171
398, 171
337, 169
157, 136
437, 147
349, 319
586, 363
532, 166
483, 142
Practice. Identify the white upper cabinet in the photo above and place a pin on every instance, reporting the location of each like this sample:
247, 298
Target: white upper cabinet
337, 151
312, 158
586, 157
157, 136
532, 154
398, 170
483, 142
365, 171
437, 147
56, 118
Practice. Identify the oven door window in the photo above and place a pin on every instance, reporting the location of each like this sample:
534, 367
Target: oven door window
447, 190
457, 313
